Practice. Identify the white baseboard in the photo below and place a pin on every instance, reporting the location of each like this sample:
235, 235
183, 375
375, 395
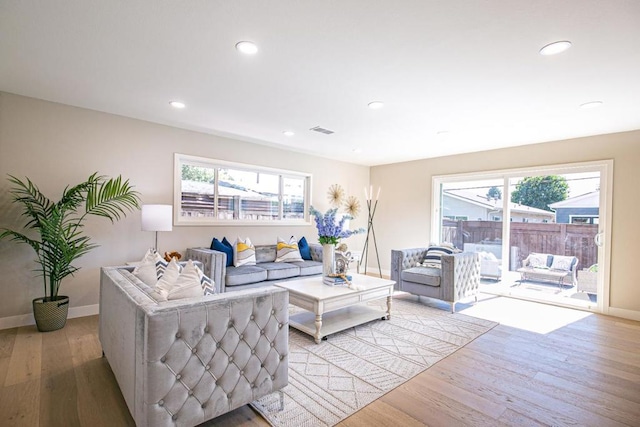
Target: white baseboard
624, 313
27, 319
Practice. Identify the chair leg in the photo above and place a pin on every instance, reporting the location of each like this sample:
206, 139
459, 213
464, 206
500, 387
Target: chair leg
453, 307
281, 400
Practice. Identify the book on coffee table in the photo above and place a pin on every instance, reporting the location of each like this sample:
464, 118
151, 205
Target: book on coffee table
336, 281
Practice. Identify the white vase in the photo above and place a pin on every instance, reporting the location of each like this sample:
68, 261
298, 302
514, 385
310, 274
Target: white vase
328, 259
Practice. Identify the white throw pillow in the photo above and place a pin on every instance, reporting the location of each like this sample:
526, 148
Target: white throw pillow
538, 260
146, 271
177, 285
288, 251
244, 253
562, 262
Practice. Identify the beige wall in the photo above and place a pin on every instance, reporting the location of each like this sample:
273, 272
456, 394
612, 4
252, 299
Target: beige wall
403, 218
56, 145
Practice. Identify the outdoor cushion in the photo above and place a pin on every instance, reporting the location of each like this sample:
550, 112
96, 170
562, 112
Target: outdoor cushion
280, 270
565, 263
539, 260
242, 275
424, 275
308, 268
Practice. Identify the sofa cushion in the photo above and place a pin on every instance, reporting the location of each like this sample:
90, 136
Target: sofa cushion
434, 254
150, 269
308, 268
305, 250
424, 275
287, 250
280, 270
540, 260
265, 253
564, 263
225, 247
237, 276
244, 253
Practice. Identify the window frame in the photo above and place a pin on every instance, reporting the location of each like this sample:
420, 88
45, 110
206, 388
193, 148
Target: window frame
216, 165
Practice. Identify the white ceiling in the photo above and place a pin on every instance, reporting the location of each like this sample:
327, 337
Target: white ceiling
470, 67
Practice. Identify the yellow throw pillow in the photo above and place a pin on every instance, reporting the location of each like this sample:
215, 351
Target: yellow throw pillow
288, 251
244, 253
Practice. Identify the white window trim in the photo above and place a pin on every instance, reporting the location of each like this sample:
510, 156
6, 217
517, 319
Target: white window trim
179, 159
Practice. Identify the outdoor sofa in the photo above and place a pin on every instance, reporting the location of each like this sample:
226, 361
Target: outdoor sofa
548, 267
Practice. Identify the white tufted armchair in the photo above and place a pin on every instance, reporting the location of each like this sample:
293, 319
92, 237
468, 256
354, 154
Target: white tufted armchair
458, 278
183, 362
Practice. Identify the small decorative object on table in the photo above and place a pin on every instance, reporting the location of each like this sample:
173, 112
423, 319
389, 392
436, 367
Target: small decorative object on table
329, 234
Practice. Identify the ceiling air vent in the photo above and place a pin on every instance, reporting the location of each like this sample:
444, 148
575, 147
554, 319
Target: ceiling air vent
322, 130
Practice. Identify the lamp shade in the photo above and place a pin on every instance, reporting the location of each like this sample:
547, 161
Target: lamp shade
157, 217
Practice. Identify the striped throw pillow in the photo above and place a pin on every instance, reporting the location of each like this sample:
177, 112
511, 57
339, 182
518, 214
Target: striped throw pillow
244, 253
208, 286
287, 251
434, 254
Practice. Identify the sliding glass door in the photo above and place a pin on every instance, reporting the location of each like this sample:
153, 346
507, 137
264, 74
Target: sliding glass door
515, 218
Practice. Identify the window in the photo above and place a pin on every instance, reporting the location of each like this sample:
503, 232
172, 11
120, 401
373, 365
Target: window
208, 191
584, 219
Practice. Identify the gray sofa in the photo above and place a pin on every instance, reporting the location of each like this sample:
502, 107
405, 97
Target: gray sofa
184, 362
265, 272
458, 278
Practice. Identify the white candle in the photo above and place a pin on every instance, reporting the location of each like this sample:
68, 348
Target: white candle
371, 192
366, 197
378, 196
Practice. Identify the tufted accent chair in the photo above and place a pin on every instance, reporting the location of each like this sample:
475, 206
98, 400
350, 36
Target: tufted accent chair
458, 278
183, 362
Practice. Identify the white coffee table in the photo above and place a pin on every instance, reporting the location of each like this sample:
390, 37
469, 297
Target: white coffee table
330, 309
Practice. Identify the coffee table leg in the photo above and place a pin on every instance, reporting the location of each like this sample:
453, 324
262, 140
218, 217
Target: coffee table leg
318, 337
389, 307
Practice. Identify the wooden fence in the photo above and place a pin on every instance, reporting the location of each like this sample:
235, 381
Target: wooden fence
558, 239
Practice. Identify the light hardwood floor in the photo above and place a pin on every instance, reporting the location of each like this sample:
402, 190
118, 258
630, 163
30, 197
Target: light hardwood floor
584, 370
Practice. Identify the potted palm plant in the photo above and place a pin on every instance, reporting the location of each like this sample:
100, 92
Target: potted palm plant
57, 233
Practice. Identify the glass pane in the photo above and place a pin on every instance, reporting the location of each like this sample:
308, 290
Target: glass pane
248, 195
293, 198
572, 200
197, 187
472, 221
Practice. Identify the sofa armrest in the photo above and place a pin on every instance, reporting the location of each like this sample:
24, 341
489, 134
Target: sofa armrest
215, 264
403, 259
460, 275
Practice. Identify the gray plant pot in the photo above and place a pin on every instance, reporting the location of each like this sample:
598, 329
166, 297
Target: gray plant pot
51, 314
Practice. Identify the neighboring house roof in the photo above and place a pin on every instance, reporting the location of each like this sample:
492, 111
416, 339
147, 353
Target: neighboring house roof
223, 188
589, 200
495, 204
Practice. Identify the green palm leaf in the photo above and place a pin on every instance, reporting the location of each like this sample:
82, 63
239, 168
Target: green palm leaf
60, 225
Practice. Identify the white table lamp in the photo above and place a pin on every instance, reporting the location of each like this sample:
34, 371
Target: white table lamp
157, 218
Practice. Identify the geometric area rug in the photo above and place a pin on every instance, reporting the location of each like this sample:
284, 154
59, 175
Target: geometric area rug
330, 381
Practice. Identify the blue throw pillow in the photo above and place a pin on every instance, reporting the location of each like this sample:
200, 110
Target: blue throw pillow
217, 245
305, 250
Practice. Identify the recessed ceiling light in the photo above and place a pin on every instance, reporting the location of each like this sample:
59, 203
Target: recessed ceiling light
592, 104
376, 105
357, 150
555, 48
246, 47
288, 133
443, 133
177, 104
